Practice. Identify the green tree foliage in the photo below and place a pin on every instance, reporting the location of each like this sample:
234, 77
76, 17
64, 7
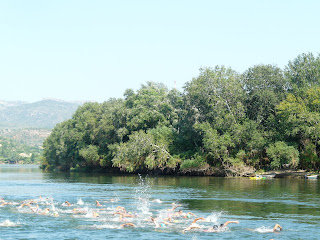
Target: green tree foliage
145, 151
281, 154
265, 118
12, 151
265, 87
299, 120
216, 96
149, 107
303, 72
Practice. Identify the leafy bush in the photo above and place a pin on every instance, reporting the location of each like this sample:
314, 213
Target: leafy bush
197, 161
280, 153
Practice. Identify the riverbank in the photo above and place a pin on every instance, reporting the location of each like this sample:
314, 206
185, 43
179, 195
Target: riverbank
205, 171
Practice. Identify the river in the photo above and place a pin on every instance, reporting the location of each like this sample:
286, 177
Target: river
257, 204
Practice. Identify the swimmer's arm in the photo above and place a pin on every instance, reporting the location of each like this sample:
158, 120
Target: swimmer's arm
176, 206
191, 227
121, 208
155, 223
190, 213
197, 219
127, 224
226, 223
276, 227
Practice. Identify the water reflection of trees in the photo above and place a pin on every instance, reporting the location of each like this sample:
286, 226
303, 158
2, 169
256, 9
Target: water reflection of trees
257, 209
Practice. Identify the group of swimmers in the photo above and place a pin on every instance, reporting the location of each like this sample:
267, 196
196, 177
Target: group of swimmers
101, 210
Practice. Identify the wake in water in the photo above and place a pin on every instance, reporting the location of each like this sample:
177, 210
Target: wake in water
263, 230
8, 223
276, 228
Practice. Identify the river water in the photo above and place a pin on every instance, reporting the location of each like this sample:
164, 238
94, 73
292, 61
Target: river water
257, 204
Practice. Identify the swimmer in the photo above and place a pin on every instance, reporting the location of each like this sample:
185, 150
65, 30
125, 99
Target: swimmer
95, 214
98, 204
35, 209
46, 211
194, 225
120, 209
55, 214
67, 203
223, 226
80, 210
25, 204
184, 215
123, 215
158, 225
6, 203
127, 225
174, 206
277, 228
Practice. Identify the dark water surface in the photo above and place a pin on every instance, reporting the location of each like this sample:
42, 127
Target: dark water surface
257, 204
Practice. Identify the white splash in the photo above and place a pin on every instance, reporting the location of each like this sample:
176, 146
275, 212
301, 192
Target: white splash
263, 230
8, 223
157, 200
214, 217
80, 202
142, 196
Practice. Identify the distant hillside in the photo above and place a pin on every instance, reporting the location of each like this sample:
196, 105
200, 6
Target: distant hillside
42, 114
5, 104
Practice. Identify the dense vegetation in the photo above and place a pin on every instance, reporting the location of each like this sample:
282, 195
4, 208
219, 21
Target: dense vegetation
12, 151
223, 122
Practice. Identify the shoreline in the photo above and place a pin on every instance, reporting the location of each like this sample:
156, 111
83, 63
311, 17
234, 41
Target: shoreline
205, 172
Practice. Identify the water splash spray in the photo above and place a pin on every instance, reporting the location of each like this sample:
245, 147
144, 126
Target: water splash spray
142, 196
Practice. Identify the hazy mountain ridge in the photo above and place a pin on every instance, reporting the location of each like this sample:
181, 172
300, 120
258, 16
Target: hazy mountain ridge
6, 104
42, 114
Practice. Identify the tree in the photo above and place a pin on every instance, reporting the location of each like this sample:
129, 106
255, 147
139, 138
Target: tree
216, 96
281, 154
145, 151
299, 121
303, 72
265, 87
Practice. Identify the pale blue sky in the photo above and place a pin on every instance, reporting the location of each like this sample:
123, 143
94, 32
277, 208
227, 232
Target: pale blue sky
94, 50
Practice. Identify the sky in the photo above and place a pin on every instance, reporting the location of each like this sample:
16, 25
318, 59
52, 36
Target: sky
78, 50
